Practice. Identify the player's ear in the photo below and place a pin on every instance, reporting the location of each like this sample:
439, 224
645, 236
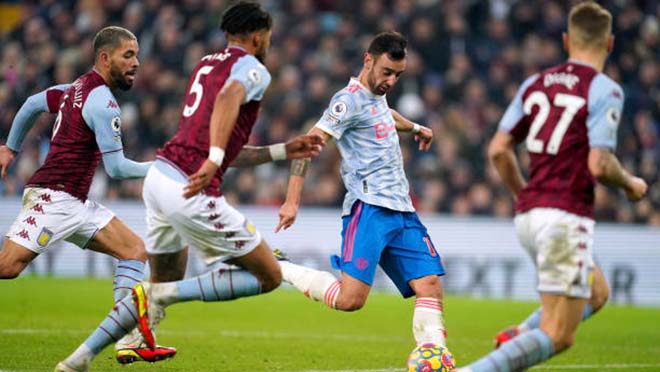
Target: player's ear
610, 44
368, 61
257, 39
564, 39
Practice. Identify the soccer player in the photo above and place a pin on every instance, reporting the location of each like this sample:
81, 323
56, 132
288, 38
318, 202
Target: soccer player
568, 117
380, 226
182, 189
55, 205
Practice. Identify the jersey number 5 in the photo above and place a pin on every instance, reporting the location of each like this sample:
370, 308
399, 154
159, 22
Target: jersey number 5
571, 105
198, 90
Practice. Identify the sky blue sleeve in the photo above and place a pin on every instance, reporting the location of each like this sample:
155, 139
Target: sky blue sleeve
339, 115
515, 111
27, 115
605, 108
248, 71
105, 121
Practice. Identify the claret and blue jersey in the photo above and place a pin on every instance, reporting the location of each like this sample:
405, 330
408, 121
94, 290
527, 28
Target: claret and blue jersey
560, 114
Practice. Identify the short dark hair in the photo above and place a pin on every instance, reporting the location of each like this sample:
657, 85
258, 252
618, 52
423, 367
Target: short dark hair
110, 38
245, 17
390, 42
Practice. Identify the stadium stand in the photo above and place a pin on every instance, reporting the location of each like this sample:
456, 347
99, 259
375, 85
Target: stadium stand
466, 59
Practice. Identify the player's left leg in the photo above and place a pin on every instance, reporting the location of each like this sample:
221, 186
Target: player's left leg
121, 319
14, 258
600, 293
413, 264
105, 233
559, 322
428, 320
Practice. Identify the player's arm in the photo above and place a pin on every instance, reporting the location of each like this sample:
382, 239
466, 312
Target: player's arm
423, 135
45, 101
106, 123
503, 157
605, 106
501, 150
605, 166
305, 146
299, 167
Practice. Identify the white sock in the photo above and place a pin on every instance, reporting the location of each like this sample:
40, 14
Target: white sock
315, 284
428, 325
164, 294
81, 358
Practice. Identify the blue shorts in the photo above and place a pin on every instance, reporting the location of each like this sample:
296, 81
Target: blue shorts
396, 240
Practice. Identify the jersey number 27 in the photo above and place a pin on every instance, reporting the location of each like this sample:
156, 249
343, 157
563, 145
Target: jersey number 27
569, 103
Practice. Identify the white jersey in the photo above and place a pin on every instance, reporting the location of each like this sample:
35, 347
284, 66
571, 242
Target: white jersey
372, 165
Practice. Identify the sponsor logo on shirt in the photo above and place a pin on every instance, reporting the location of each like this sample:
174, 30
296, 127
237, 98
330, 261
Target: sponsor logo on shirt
115, 123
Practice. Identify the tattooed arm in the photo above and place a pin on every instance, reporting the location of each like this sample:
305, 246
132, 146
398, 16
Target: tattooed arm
251, 156
305, 146
289, 209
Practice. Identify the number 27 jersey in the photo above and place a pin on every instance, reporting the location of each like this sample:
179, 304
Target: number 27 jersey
560, 114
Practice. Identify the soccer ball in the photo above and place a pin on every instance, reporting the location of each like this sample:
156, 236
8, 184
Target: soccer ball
431, 357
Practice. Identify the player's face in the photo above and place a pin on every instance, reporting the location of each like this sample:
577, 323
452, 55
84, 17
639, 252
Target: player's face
124, 64
264, 44
384, 73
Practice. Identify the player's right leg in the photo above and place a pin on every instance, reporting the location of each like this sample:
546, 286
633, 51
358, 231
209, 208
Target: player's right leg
365, 234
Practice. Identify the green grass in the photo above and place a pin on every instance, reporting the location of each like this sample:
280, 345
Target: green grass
42, 320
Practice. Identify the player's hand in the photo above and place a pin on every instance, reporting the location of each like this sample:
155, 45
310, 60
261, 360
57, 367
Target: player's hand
636, 189
424, 137
6, 157
305, 146
288, 213
201, 179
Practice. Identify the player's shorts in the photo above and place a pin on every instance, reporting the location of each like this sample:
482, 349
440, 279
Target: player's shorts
560, 244
396, 240
48, 216
206, 223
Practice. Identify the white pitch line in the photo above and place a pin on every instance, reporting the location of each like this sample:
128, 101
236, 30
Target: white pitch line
599, 366
550, 367
228, 333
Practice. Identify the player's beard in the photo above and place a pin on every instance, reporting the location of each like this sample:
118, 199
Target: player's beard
260, 54
119, 79
373, 85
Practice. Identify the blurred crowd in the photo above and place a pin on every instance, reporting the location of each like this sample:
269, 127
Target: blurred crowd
466, 60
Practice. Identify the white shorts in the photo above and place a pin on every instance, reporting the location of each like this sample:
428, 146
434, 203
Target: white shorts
206, 223
48, 216
560, 243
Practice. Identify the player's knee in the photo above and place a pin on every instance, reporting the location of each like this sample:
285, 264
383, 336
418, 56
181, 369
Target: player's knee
349, 304
599, 296
563, 342
134, 250
9, 271
271, 281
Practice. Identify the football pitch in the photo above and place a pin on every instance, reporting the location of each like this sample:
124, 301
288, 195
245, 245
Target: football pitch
42, 320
